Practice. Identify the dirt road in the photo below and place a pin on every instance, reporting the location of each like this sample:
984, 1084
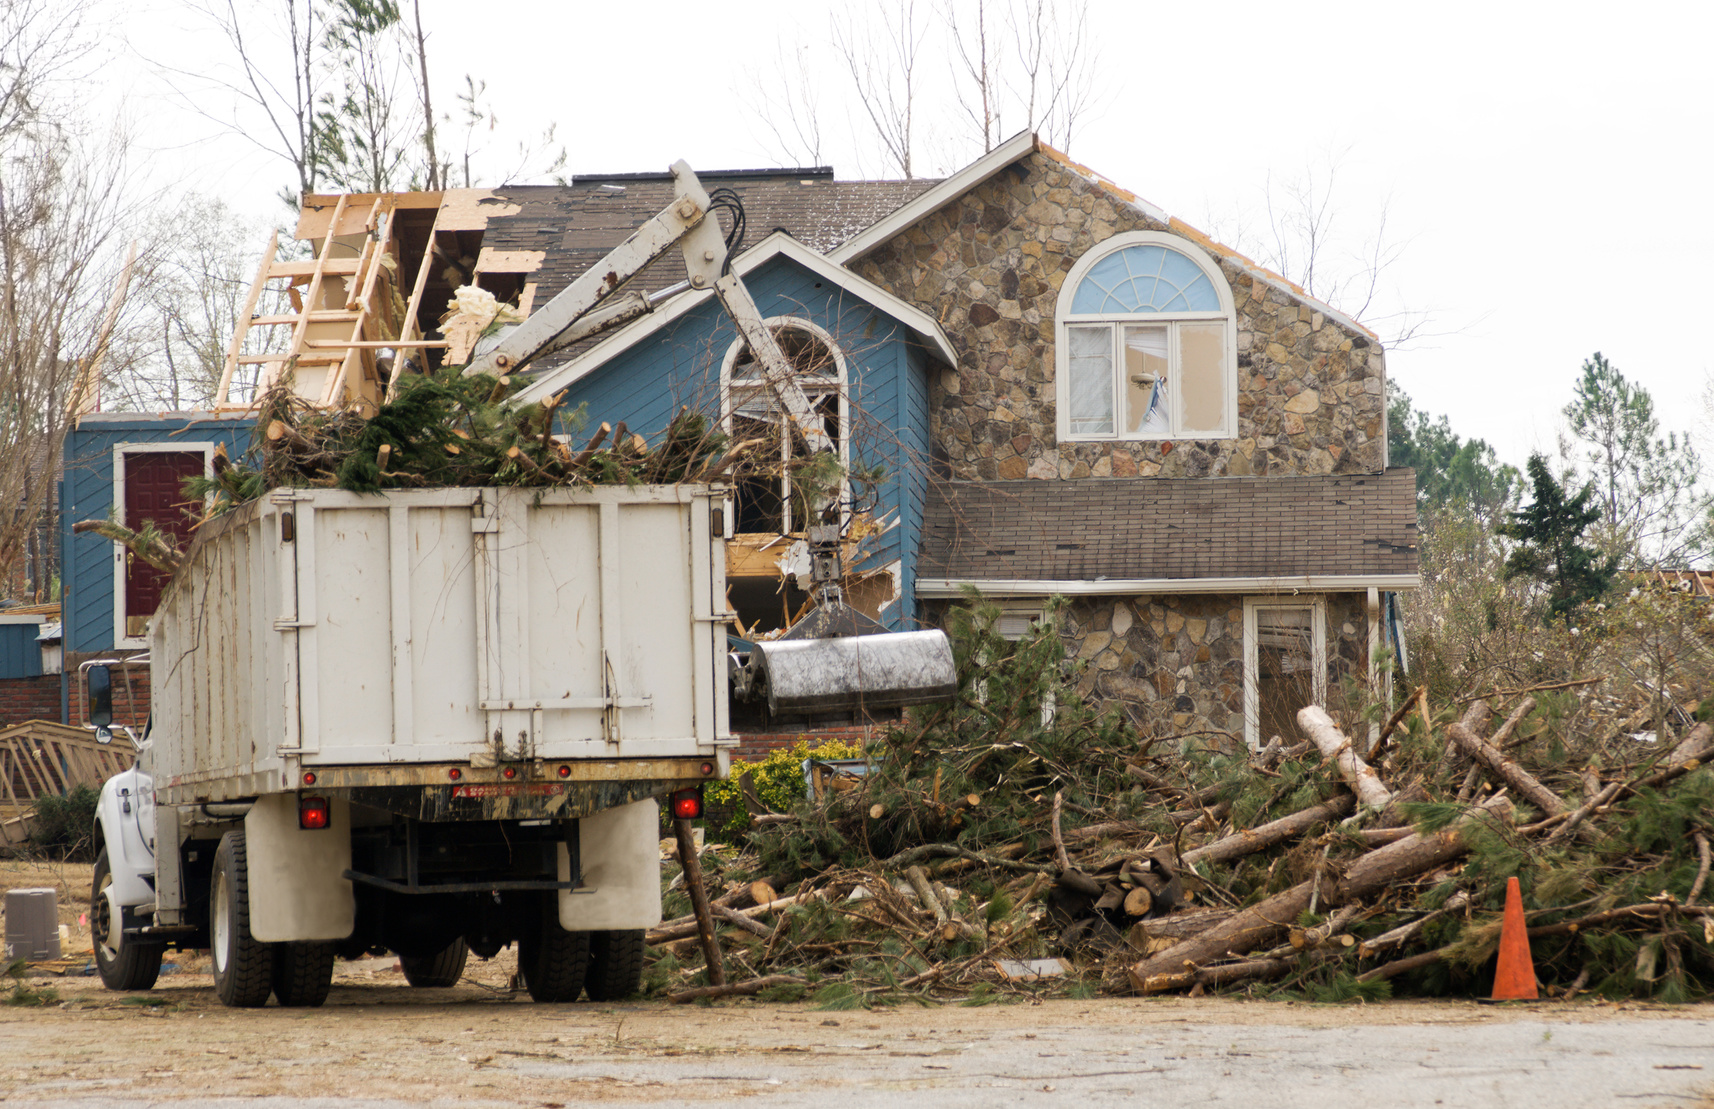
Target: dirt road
379, 1044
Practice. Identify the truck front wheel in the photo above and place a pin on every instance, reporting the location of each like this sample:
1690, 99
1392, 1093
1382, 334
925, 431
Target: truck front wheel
122, 966
552, 960
243, 966
615, 964
436, 971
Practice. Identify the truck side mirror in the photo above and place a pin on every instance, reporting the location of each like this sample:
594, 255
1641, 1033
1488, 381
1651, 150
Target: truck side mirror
99, 681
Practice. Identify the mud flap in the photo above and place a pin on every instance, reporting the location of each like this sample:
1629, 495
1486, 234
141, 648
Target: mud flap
296, 888
620, 849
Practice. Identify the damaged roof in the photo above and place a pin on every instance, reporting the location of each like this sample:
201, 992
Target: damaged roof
578, 224
1131, 534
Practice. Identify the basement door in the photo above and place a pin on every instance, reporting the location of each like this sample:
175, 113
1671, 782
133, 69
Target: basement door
149, 483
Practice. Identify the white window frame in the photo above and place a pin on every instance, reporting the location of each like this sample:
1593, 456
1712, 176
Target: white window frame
819, 384
1064, 318
1318, 651
120, 639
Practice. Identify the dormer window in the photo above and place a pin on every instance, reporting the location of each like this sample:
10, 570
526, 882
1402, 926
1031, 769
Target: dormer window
1146, 344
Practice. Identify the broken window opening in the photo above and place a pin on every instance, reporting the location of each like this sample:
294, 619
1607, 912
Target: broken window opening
1146, 344
778, 496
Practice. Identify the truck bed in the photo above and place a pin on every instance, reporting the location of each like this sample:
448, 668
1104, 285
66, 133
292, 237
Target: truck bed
381, 639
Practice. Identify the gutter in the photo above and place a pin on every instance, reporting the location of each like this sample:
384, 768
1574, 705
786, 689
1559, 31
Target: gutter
937, 588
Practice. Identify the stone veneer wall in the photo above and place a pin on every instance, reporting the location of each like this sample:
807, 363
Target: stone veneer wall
1175, 663
990, 265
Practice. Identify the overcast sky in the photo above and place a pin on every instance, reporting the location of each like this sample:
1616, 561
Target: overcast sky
1543, 167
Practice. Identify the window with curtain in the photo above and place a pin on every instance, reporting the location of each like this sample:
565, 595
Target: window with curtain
1146, 344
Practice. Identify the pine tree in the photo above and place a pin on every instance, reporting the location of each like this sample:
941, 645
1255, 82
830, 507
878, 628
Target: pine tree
1550, 533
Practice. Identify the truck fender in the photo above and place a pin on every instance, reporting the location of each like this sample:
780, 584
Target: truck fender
298, 888
621, 855
125, 825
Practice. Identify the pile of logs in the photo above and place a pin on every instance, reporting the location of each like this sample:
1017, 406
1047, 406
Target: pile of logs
1371, 884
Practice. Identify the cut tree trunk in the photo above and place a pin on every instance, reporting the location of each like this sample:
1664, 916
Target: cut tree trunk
1336, 748
1264, 836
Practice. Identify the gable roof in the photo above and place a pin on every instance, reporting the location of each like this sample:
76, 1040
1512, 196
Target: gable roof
777, 245
937, 196
1161, 535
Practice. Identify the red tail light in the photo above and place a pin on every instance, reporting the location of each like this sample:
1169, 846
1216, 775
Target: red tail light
686, 804
314, 812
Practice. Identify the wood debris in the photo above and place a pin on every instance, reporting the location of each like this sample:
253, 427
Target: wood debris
983, 840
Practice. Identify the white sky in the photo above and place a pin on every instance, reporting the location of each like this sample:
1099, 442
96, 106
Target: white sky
1544, 165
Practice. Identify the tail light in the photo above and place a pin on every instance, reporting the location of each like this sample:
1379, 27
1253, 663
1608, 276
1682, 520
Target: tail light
686, 804
314, 813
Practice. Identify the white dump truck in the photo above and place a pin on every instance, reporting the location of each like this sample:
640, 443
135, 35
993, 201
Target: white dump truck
427, 722
441, 721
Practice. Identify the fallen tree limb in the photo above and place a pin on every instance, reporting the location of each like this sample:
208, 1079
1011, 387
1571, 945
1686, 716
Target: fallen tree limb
1429, 958
1526, 784
1454, 904
953, 851
1264, 836
679, 931
736, 989
1264, 923
748, 924
152, 549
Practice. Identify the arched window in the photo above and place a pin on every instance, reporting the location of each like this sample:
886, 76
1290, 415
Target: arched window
766, 501
1146, 344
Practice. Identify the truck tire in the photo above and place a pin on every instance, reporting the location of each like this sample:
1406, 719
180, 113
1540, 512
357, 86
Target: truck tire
132, 965
552, 960
303, 973
436, 971
615, 965
243, 966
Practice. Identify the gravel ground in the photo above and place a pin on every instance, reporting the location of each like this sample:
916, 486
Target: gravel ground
380, 1044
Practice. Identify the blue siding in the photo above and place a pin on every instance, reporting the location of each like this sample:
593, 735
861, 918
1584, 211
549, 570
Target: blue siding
888, 385
86, 561
20, 654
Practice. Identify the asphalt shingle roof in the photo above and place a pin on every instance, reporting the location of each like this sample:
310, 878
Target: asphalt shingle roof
1171, 528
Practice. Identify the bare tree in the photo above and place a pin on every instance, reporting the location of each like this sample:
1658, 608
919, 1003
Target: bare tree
1310, 235
434, 176
979, 85
191, 286
788, 106
1057, 63
63, 214
882, 61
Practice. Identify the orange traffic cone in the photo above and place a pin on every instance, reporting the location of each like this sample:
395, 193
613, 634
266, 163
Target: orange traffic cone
1514, 975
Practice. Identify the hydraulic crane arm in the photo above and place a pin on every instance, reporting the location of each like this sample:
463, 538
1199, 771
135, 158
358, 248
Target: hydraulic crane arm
595, 303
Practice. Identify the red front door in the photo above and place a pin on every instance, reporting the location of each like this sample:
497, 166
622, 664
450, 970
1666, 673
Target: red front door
154, 492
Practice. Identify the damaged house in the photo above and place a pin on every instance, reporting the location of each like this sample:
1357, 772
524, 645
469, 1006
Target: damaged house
1039, 384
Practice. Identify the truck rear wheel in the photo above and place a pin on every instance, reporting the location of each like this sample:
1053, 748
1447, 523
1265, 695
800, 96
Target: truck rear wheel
615, 964
552, 960
303, 973
127, 966
243, 966
439, 970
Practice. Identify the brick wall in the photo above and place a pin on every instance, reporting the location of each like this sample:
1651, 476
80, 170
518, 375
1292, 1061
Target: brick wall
24, 699
756, 746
